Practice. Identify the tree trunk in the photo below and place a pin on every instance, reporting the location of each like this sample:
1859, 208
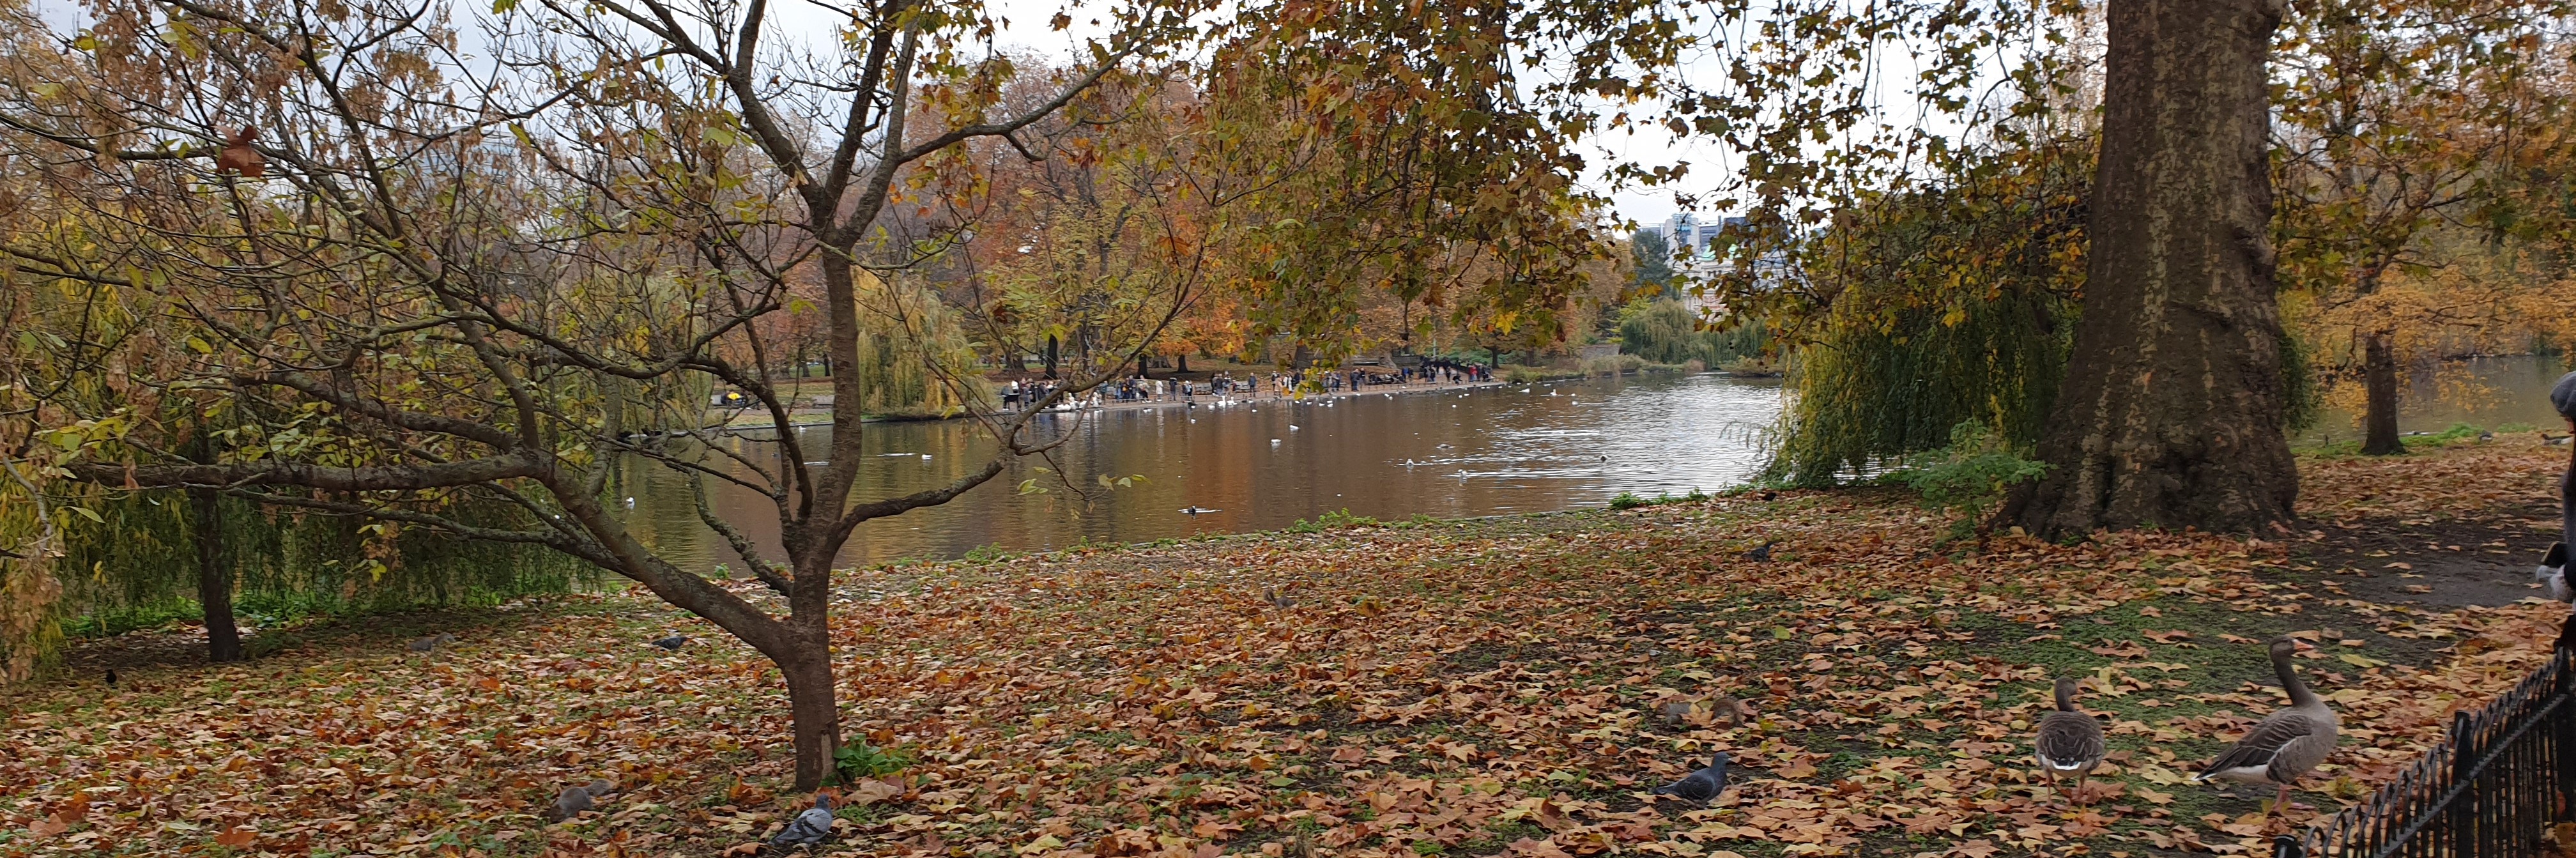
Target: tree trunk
1050, 356
214, 582
2171, 412
2379, 382
1181, 362
810, 703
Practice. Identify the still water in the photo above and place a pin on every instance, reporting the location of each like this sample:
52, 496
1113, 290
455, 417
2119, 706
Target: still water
1445, 453
1265, 465
2510, 391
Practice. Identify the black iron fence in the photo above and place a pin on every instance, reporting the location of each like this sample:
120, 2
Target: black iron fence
2489, 790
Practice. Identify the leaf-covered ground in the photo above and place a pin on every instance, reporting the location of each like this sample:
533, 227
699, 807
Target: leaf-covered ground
1462, 688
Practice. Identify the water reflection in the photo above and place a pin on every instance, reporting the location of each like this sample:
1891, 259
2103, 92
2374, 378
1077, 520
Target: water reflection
2483, 392
1263, 465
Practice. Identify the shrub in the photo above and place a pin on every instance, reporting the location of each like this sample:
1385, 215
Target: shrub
861, 760
1968, 476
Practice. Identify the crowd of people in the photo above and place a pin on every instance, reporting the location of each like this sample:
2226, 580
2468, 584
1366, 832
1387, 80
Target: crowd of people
1139, 388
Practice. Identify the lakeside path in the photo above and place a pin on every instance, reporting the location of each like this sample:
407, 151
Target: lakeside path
742, 421
1487, 687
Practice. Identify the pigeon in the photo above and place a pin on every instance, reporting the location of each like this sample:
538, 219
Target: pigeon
111, 677
432, 642
672, 643
809, 828
1770, 496
574, 800
1701, 786
2552, 573
1761, 553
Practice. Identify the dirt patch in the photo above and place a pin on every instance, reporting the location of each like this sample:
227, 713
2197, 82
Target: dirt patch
2478, 556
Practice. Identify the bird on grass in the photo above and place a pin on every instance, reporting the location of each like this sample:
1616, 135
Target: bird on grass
2553, 440
2068, 742
1761, 553
111, 677
574, 800
432, 642
2285, 745
1701, 786
672, 643
808, 828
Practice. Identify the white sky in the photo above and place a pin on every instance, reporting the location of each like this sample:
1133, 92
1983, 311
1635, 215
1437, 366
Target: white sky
1028, 29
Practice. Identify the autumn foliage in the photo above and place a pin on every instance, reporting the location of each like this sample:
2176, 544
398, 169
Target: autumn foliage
1470, 688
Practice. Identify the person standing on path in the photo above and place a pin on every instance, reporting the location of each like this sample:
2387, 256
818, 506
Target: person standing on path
2563, 397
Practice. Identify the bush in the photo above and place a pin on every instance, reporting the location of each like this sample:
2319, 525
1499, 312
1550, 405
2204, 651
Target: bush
1342, 518
1968, 476
1628, 500
861, 760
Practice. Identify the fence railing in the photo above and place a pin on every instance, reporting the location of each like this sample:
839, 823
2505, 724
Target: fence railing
2488, 790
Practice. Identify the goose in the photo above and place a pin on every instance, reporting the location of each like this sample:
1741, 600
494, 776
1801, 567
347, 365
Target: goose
2552, 572
1701, 786
2068, 742
2287, 744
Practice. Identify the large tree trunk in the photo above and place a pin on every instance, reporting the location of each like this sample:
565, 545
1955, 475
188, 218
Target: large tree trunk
1050, 356
214, 581
2171, 413
2379, 384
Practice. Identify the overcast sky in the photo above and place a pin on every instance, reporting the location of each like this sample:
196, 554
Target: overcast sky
1028, 29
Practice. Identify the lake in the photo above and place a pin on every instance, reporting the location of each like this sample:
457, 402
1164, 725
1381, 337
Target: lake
1444, 453
1264, 465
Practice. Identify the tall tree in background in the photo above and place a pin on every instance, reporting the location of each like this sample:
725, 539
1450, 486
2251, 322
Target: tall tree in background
1652, 256
2172, 408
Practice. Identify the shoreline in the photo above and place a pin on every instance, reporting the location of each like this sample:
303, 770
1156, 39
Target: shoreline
824, 417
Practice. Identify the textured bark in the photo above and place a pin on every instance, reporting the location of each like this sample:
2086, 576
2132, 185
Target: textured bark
811, 703
2171, 413
2379, 385
214, 581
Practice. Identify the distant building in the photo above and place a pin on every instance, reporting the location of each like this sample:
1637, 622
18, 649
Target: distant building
1697, 257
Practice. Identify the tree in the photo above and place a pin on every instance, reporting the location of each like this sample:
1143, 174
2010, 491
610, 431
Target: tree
2401, 123
1653, 258
421, 281
443, 276
2172, 408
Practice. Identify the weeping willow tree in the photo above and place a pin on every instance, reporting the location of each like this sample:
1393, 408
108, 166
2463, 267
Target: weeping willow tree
137, 565
1950, 302
1664, 330
914, 359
